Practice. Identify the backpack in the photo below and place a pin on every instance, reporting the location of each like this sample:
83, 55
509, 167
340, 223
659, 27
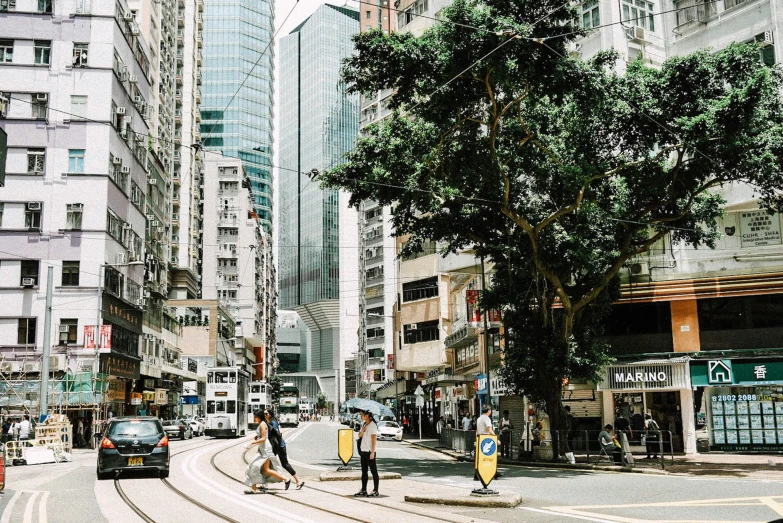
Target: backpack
275, 437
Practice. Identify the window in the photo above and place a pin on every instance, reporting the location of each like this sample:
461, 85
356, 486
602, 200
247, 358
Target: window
32, 216
26, 331
113, 281
43, 50
74, 216
695, 11
67, 331
591, 16
114, 226
2, 207
45, 6
210, 406
36, 159
419, 290
82, 6
78, 107
368, 15
29, 272
70, 274
376, 332
421, 332
39, 106
76, 160
6, 5
766, 48
741, 312
232, 407
80, 55
6, 50
639, 13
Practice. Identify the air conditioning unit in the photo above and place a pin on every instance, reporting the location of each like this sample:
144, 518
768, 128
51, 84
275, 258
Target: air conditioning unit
57, 362
64, 328
150, 217
133, 79
129, 16
768, 39
6, 367
32, 367
141, 302
120, 110
139, 138
137, 99
34, 206
116, 160
380, 217
125, 170
639, 269
121, 258
28, 282
41, 97
636, 33
152, 181
154, 223
126, 226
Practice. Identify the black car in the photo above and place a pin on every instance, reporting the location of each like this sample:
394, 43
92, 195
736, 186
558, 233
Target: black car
133, 443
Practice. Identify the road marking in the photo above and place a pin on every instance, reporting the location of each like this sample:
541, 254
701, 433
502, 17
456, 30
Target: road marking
292, 438
553, 513
307, 465
6, 517
42, 517
774, 505
28, 510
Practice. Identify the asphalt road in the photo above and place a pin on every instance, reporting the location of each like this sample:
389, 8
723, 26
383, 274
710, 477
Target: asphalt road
210, 472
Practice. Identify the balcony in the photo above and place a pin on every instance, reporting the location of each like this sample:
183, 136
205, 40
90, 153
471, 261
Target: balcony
178, 137
180, 37
178, 96
200, 41
179, 79
181, 19
178, 116
200, 21
198, 78
200, 5
198, 95
462, 336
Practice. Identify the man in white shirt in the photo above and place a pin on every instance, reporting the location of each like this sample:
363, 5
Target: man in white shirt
484, 423
466, 422
24, 428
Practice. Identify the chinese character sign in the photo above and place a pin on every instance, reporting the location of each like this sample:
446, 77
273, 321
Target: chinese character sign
89, 337
759, 228
760, 371
105, 344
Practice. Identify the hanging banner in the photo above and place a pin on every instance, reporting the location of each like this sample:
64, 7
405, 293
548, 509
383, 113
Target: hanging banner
104, 340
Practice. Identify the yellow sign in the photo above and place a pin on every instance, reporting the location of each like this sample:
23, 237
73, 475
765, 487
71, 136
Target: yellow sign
345, 445
486, 458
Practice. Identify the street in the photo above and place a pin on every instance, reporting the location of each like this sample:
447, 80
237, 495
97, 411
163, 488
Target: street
205, 485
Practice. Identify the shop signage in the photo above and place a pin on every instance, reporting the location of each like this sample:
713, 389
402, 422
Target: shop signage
646, 376
104, 338
188, 400
149, 383
481, 384
122, 366
116, 391
148, 395
121, 313
437, 394
136, 398
726, 373
759, 228
161, 396
498, 385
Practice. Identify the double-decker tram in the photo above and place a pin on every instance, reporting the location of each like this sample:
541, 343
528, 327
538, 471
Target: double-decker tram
258, 399
289, 405
226, 402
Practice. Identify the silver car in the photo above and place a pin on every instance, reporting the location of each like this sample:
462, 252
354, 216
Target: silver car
177, 428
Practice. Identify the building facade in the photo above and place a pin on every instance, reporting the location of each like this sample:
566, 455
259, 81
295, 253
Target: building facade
317, 231
238, 87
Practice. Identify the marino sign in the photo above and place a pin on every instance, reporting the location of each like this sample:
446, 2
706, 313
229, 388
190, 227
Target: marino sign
638, 376
645, 376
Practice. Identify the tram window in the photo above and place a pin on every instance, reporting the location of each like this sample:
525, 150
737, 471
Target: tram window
221, 377
232, 407
233, 377
220, 406
210, 407
210, 377
255, 389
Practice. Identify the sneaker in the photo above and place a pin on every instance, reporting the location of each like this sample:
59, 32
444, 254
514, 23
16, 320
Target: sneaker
287, 484
300, 485
373, 494
361, 494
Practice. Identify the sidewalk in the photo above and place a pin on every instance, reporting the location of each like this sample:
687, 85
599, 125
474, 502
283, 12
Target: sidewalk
757, 466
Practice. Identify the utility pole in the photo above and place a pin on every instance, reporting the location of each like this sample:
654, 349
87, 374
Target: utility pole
43, 408
486, 334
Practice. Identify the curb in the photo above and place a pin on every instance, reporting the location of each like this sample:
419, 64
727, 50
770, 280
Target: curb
544, 464
499, 501
353, 475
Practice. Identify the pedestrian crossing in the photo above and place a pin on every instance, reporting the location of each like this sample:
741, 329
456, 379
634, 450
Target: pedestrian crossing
26, 506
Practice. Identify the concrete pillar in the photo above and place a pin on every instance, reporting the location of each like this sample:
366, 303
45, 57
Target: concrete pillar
688, 421
608, 407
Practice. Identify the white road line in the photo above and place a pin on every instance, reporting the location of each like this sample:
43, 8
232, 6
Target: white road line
553, 513
292, 438
42, 517
6, 517
307, 465
216, 489
28, 510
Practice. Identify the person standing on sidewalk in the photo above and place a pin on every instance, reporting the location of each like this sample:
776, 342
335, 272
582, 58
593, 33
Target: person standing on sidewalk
367, 440
278, 445
24, 428
466, 422
506, 427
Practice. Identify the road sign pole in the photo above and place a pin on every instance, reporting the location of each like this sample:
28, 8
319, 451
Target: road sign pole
486, 463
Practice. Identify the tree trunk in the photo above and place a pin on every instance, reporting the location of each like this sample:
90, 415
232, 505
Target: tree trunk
559, 423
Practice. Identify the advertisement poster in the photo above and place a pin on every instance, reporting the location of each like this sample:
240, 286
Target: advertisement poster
755, 422
767, 408
717, 423
769, 422
755, 407
717, 408
744, 437
731, 422
719, 436
759, 229
730, 407
769, 436
731, 437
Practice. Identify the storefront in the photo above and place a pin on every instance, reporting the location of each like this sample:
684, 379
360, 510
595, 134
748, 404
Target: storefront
123, 371
660, 388
740, 402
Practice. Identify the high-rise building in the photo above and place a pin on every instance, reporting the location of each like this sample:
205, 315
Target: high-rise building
238, 87
318, 232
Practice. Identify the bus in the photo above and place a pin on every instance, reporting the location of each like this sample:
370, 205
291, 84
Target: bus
226, 402
289, 405
257, 400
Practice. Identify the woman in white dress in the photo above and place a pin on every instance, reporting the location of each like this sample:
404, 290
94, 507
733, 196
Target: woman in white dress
261, 470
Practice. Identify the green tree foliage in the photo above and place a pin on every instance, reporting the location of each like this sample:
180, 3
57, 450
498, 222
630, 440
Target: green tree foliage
321, 401
558, 170
275, 383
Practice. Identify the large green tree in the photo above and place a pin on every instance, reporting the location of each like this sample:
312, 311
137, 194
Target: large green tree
558, 170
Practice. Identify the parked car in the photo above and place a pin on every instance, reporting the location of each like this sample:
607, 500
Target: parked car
196, 426
178, 428
389, 430
138, 443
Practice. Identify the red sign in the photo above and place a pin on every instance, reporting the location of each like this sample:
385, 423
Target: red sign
390, 361
89, 337
104, 343
437, 394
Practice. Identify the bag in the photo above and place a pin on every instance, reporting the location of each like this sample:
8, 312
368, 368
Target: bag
275, 438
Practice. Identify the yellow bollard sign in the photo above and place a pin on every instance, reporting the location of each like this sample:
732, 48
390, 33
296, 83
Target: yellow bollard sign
345, 445
486, 458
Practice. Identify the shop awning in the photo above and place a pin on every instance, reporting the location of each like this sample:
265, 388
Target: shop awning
728, 373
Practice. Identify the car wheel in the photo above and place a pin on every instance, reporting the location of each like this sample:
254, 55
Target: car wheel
191, 435
163, 474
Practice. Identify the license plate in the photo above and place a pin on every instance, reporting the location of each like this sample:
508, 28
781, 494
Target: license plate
135, 462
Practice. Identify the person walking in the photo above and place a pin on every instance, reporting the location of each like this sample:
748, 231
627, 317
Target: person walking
505, 427
367, 440
652, 436
570, 435
441, 423
25, 428
279, 446
261, 471
405, 423
466, 422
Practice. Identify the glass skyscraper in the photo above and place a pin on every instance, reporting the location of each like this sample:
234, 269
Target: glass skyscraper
235, 33
319, 122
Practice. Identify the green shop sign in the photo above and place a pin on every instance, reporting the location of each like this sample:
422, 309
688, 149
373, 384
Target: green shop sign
727, 373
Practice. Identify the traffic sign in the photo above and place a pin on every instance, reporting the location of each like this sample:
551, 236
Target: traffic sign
486, 458
345, 445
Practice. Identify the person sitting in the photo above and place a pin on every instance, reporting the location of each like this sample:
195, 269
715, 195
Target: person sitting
609, 443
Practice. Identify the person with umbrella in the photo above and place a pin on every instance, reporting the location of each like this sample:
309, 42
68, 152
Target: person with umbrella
367, 440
